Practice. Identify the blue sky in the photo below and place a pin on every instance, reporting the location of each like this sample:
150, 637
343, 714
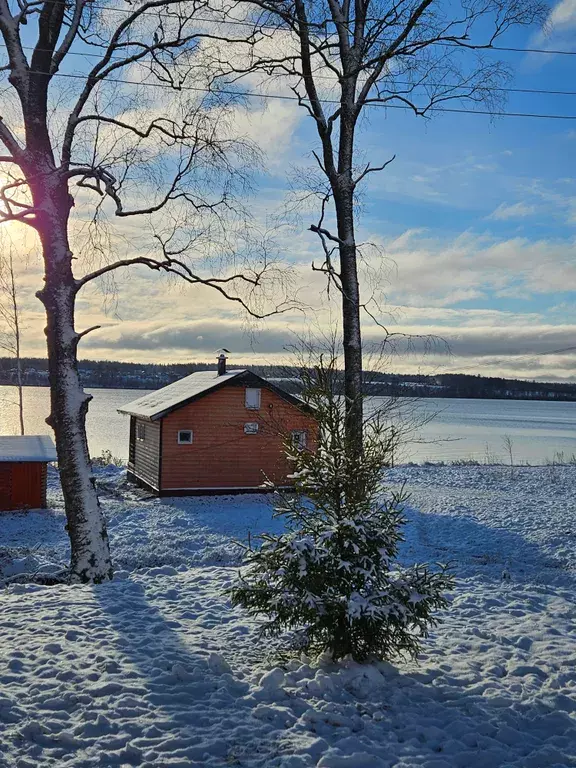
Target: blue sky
474, 221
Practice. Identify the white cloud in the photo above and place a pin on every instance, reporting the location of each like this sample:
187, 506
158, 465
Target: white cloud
271, 126
557, 32
455, 183
471, 340
554, 200
513, 211
563, 15
439, 271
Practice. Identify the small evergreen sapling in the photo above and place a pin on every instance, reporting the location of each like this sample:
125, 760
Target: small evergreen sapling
332, 578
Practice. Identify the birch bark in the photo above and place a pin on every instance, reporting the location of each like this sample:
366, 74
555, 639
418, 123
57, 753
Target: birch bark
90, 551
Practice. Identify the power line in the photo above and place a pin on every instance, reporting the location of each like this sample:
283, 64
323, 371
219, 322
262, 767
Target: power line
495, 88
404, 83
235, 22
282, 97
549, 52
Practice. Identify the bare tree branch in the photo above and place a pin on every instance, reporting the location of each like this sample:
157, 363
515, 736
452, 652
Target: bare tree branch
176, 267
85, 332
369, 169
10, 142
69, 37
325, 233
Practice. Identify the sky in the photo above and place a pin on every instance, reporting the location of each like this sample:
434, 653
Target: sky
469, 239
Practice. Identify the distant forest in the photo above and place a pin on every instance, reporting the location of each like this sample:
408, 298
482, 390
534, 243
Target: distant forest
109, 374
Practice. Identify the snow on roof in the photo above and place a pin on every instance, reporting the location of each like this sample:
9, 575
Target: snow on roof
157, 403
27, 448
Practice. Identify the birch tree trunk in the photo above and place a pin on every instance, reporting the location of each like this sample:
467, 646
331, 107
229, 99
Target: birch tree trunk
351, 327
343, 193
90, 558
348, 56
52, 202
20, 387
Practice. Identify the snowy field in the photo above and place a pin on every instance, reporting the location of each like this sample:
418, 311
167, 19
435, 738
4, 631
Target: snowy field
156, 669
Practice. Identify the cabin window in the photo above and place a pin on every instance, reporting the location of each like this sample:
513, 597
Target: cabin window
140, 431
253, 398
299, 439
251, 428
185, 437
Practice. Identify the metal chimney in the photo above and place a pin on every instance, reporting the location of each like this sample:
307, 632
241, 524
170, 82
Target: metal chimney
221, 364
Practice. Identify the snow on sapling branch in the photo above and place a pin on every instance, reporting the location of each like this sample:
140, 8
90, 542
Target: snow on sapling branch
332, 579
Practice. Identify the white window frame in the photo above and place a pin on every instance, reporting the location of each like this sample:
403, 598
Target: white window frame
258, 398
185, 442
251, 428
299, 439
140, 431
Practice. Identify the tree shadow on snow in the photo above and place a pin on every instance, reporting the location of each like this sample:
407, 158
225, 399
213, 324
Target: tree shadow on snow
189, 531
180, 697
474, 548
234, 516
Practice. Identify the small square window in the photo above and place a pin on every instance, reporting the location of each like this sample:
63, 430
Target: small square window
253, 398
185, 437
140, 431
251, 428
299, 439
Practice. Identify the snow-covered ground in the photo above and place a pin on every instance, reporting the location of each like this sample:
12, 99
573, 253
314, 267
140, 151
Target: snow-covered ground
156, 669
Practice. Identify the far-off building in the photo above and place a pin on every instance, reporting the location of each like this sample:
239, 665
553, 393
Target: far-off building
23, 471
216, 432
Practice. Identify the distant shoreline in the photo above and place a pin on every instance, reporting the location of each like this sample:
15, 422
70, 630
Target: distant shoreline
108, 374
409, 394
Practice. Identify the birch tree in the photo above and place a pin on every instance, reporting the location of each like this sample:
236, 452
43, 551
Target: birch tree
11, 322
77, 131
341, 58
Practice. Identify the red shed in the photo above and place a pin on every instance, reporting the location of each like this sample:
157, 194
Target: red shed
215, 432
23, 463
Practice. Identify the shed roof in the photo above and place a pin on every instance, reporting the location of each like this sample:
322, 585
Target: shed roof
27, 448
157, 404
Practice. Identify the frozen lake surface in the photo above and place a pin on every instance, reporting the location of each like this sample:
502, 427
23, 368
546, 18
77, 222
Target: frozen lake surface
448, 429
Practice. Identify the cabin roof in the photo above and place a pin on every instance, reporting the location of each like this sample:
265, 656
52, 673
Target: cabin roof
27, 448
160, 403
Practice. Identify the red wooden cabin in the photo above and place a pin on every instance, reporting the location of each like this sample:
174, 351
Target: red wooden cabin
23, 471
215, 432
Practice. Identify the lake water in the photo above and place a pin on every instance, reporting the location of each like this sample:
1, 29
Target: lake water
454, 428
